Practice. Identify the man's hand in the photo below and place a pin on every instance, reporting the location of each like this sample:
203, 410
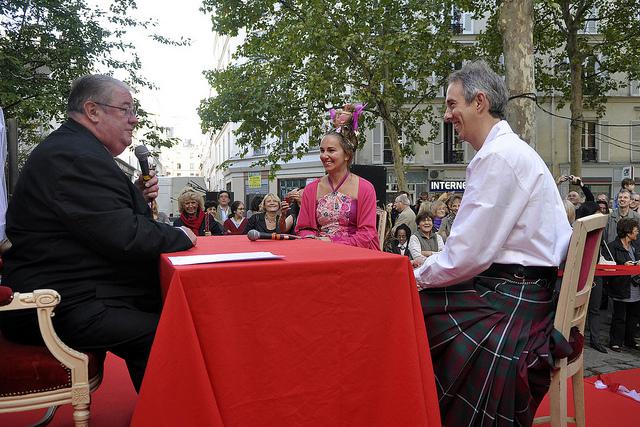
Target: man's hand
189, 234
149, 188
576, 180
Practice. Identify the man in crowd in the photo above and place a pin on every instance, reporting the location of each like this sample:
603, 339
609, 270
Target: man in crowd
223, 211
406, 215
488, 296
634, 204
622, 211
79, 226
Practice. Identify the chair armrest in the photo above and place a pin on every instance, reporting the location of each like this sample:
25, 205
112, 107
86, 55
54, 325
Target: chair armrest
40, 298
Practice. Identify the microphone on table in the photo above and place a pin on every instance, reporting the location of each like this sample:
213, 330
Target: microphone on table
254, 235
142, 153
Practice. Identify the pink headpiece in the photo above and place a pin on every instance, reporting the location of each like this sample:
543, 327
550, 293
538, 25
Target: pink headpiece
357, 112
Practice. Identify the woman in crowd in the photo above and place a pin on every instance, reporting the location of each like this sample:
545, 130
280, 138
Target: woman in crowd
603, 207
438, 212
400, 242
624, 290
254, 208
192, 214
453, 203
426, 241
236, 223
341, 206
291, 205
270, 219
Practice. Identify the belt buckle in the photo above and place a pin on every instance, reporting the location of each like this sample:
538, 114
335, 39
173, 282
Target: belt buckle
519, 276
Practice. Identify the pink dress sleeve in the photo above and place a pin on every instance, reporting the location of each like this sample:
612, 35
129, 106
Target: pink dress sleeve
366, 235
307, 224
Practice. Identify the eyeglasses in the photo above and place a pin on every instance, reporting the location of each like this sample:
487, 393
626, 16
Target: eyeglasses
130, 111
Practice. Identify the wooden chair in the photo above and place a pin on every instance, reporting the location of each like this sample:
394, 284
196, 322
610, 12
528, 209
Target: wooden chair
571, 311
382, 226
34, 377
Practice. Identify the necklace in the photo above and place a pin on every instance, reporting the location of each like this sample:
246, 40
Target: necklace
334, 190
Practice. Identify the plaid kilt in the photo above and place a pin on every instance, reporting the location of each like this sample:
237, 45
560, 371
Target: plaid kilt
491, 343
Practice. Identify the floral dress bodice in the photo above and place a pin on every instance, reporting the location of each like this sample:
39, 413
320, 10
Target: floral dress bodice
337, 214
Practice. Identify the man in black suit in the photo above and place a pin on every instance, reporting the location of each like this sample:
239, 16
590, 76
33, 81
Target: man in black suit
80, 226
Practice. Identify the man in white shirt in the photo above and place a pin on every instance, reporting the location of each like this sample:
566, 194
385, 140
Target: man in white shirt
488, 296
407, 216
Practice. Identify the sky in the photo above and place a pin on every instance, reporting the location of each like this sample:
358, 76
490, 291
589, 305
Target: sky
176, 71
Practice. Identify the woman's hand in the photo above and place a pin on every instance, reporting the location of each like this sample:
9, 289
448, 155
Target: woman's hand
629, 263
284, 207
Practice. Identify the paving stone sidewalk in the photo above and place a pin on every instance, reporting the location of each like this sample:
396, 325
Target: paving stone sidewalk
599, 363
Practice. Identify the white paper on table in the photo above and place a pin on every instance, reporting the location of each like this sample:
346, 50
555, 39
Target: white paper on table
231, 257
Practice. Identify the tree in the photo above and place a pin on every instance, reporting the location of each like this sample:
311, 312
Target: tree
516, 26
584, 49
598, 40
45, 45
299, 58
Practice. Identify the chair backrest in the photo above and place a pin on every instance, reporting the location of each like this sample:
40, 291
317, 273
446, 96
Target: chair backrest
578, 273
382, 226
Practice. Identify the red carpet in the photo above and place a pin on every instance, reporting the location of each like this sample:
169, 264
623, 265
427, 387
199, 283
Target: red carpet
604, 408
111, 405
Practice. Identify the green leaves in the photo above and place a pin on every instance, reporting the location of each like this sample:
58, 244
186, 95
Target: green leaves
300, 58
45, 45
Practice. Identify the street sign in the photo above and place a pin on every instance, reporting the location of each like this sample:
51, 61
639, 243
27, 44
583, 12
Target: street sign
255, 181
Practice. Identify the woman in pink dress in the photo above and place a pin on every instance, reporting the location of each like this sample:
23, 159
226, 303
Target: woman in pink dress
340, 207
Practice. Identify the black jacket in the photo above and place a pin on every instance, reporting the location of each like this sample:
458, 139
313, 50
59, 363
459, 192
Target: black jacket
620, 286
80, 226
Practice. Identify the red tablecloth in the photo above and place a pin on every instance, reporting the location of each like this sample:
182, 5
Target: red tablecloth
330, 335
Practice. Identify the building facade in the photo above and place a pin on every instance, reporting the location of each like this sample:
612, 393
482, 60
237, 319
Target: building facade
611, 144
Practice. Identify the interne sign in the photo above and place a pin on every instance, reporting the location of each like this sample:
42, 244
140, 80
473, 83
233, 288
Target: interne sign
447, 185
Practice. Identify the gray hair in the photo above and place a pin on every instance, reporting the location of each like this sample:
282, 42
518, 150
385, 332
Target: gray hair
92, 87
404, 199
477, 77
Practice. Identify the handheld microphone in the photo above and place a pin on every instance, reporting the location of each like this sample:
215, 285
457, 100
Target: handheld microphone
254, 235
142, 153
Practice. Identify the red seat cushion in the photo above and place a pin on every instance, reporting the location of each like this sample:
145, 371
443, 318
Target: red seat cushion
29, 369
6, 295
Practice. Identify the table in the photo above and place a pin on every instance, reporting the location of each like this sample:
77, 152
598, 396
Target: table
331, 335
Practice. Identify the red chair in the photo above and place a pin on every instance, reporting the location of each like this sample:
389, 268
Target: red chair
46, 376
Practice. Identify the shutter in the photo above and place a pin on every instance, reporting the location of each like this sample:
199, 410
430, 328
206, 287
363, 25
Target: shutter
603, 141
467, 22
438, 147
635, 141
376, 156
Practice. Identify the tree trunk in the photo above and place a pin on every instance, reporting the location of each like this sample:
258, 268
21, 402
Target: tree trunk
396, 150
516, 25
575, 62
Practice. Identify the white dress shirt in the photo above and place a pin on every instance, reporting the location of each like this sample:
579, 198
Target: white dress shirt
511, 213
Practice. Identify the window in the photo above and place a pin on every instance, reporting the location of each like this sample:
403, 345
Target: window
286, 185
178, 166
589, 151
588, 135
453, 146
634, 88
461, 22
387, 152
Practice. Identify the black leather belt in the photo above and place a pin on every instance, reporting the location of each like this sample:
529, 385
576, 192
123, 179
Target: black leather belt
521, 272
